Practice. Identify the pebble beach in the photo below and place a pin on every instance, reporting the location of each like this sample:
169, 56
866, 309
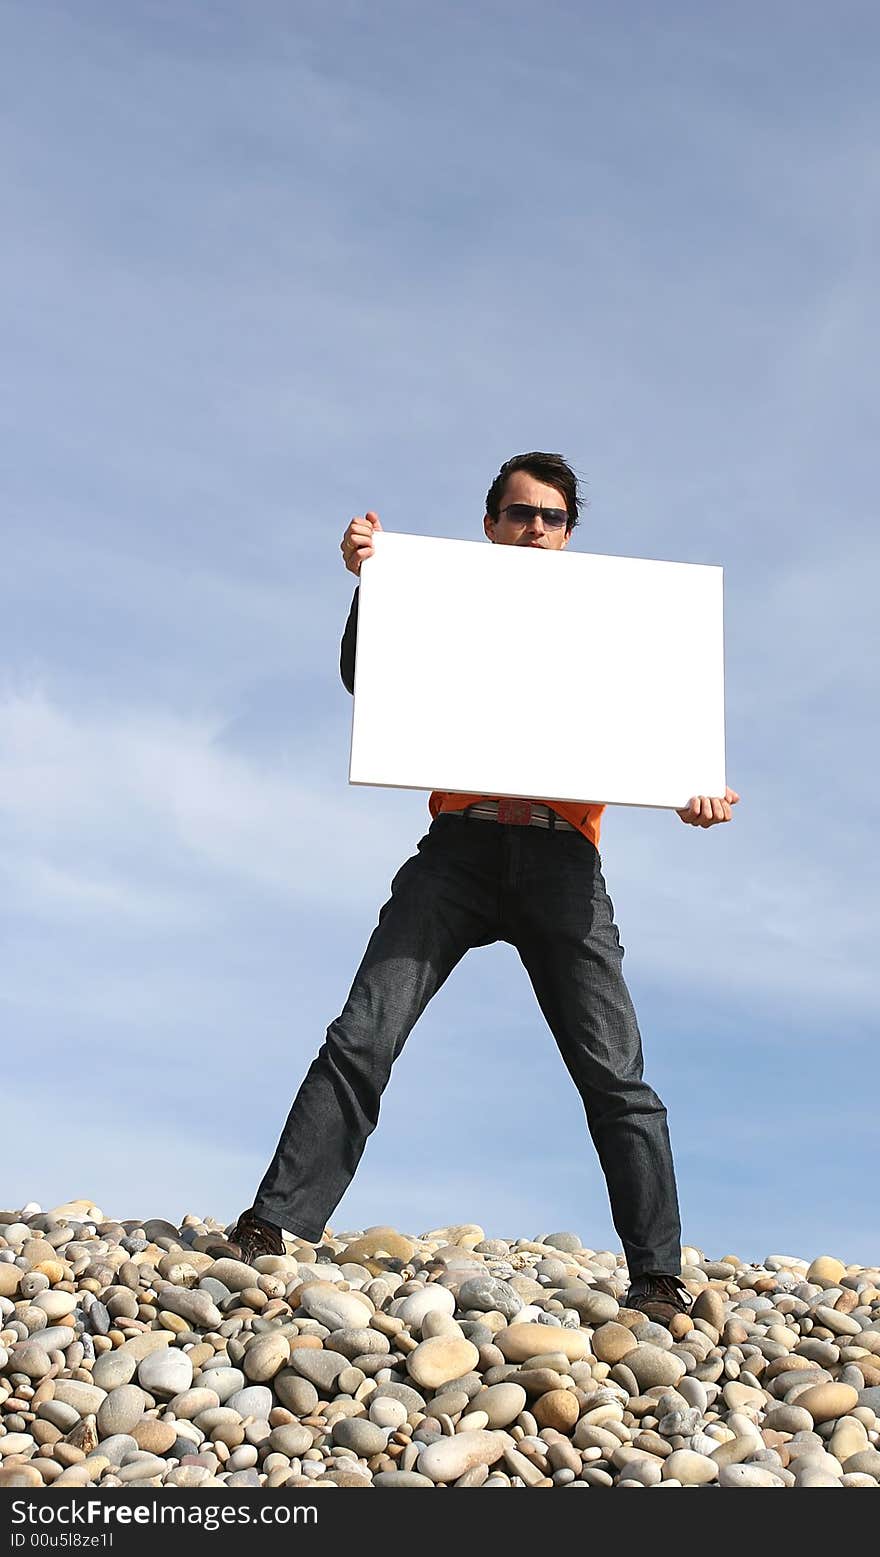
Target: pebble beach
145, 1354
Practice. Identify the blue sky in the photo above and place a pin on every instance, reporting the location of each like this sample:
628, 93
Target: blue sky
266, 266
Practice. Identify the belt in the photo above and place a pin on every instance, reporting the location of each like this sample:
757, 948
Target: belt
518, 813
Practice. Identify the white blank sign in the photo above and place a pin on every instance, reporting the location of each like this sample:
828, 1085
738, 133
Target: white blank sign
501, 670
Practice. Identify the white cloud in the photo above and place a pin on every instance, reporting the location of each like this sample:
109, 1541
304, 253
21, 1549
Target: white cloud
36, 886
144, 820
159, 787
56, 1152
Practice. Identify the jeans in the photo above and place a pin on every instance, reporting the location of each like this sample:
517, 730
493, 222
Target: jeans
471, 883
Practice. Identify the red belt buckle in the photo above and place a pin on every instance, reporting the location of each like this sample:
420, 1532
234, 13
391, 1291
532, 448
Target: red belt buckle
515, 813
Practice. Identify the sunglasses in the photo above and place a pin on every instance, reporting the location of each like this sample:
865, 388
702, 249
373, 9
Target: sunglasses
524, 513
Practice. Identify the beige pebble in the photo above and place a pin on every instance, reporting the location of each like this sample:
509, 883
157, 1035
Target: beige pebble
10, 1277
826, 1271
153, 1435
691, 1469
15, 1443
518, 1342
709, 1306
827, 1401
558, 1409
449, 1458
20, 1475
440, 1360
612, 1341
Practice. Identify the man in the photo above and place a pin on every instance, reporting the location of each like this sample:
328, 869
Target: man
493, 869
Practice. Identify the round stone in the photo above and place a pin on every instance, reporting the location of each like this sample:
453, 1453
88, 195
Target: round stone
488, 1294
28, 1475
709, 1306
223, 1381
56, 1305
522, 1341
297, 1394
61, 1416
117, 1448
502, 1403
121, 1411
114, 1368
849, 1437
865, 1462
85, 1398
33, 1282
652, 1366
788, 1419
360, 1435
748, 1476
647, 1471
350, 1380
257, 1401
413, 1308
291, 1439
439, 1324
692, 1470
837, 1322
322, 1368
243, 1458
449, 1458
10, 1276
378, 1243
337, 1310
191, 1402
266, 1356
234, 1275
16, 1443
153, 1436
592, 1307
825, 1402
359, 1343
742, 1397
195, 1306
187, 1476
826, 1271
55, 1338
149, 1341
695, 1393
409, 1397
216, 1416
823, 1352
391, 1413
31, 1358
558, 1409
166, 1373
143, 1468
611, 1342
569, 1243
241, 1478
441, 1359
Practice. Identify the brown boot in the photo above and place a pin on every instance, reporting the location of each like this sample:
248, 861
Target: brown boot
659, 1296
254, 1237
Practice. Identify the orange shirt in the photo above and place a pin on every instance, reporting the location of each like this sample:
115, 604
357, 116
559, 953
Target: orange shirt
587, 819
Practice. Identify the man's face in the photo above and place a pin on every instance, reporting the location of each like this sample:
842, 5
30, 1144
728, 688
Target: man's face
507, 530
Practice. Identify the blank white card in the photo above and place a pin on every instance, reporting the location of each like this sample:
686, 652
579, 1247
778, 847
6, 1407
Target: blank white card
500, 670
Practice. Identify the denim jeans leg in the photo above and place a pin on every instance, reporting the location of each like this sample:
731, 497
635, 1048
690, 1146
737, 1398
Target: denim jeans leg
434, 915
570, 947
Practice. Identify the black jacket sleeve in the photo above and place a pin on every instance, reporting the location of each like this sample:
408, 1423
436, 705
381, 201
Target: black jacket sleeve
348, 645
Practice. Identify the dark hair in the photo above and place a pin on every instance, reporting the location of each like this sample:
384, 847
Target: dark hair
552, 469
